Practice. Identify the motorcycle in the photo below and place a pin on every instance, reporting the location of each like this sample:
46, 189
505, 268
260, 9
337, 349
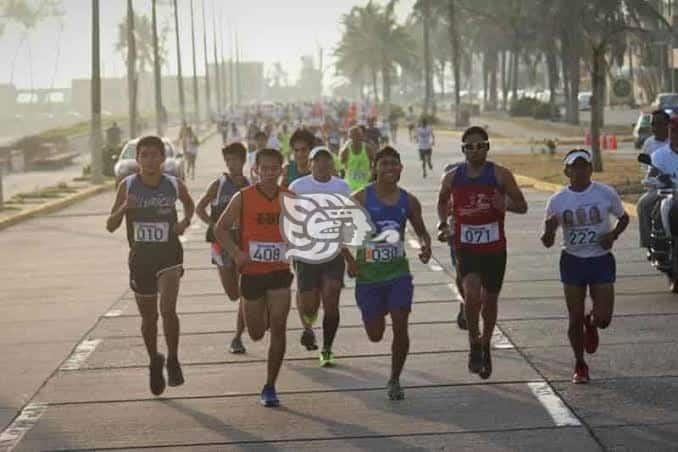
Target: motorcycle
663, 251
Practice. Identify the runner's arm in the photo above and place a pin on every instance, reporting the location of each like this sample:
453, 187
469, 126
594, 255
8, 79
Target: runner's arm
548, 238
228, 218
283, 176
515, 199
608, 239
420, 228
189, 207
201, 208
118, 210
444, 199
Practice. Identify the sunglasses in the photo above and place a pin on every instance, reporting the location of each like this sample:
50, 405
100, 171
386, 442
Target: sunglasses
479, 146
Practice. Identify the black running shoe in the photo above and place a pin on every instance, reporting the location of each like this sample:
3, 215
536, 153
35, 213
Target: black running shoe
475, 358
308, 340
175, 377
157, 378
461, 318
237, 347
486, 369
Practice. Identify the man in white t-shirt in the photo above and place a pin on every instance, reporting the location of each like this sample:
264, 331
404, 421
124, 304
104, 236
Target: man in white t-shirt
425, 142
660, 132
320, 281
583, 210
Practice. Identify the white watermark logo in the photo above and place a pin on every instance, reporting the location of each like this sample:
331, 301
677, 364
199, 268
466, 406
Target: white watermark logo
316, 226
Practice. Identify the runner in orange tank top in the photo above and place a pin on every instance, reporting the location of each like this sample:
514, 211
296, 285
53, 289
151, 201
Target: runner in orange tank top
260, 258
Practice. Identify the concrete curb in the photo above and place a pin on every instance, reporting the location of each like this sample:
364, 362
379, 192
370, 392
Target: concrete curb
554, 188
55, 205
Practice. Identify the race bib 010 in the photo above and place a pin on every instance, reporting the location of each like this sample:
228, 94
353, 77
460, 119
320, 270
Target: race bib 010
267, 251
383, 252
151, 232
481, 234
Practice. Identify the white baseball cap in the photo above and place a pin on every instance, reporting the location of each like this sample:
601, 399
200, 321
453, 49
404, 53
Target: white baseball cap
319, 150
577, 154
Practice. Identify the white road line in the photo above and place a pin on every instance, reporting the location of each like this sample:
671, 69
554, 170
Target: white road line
414, 244
113, 313
183, 239
453, 288
554, 405
28, 417
80, 354
434, 265
500, 341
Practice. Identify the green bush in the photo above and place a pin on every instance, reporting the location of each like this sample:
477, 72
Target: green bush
524, 106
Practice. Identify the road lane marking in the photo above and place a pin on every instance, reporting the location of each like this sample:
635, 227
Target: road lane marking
414, 244
113, 313
434, 265
554, 405
80, 354
29, 416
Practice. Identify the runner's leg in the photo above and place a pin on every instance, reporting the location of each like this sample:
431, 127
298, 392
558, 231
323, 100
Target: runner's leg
168, 286
278, 302
575, 296
603, 304
148, 310
331, 292
256, 317
401, 341
471, 284
489, 314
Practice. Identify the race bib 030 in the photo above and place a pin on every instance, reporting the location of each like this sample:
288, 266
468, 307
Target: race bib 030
151, 232
267, 251
481, 234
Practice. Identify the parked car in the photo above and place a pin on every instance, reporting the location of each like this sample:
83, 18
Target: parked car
667, 102
126, 163
584, 99
642, 129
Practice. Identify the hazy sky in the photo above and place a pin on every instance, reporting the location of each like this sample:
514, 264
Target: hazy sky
57, 50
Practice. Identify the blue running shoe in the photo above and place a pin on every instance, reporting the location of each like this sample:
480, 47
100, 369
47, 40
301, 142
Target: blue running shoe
268, 397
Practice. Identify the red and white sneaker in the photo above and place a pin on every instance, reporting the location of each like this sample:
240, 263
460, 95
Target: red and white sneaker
591, 338
581, 374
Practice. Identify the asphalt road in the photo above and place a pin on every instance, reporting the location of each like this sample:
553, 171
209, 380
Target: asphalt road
75, 368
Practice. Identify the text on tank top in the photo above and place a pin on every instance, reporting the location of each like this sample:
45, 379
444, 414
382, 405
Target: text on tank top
260, 236
382, 261
150, 225
225, 192
478, 226
358, 172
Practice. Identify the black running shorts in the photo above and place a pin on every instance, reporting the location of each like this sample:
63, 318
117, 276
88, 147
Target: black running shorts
144, 268
310, 276
254, 287
490, 266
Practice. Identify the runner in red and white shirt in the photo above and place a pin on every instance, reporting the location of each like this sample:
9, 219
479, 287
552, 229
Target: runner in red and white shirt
481, 193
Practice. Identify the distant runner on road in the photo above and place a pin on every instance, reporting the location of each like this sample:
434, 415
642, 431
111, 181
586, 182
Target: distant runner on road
218, 195
583, 209
147, 203
481, 194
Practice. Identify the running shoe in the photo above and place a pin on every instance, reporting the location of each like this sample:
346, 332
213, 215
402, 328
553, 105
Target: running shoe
591, 339
269, 398
395, 391
236, 346
486, 369
326, 358
475, 358
156, 373
308, 340
175, 377
581, 374
461, 318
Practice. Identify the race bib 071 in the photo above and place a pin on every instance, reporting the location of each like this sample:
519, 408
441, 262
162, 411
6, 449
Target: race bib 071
480, 234
267, 251
151, 232
383, 252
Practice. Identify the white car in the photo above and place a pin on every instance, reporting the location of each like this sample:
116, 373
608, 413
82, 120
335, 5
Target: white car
127, 162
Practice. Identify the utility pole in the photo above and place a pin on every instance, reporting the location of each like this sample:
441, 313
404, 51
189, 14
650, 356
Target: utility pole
196, 96
217, 74
95, 122
159, 126
180, 78
208, 93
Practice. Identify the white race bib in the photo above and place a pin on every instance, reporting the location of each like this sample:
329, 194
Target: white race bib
267, 251
480, 234
383, 252
151, 232
581, 237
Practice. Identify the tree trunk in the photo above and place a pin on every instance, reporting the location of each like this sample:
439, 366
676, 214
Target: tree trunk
456, 60
95, 124
131, 71
632, 78
575, 78
552, 70
504, 81
374, 84
598, 74
159, 123
196, 96
514, 76
486, 77
441, 77
386, 85
217, 73
428, 70
208, 92
180, 77
493, 61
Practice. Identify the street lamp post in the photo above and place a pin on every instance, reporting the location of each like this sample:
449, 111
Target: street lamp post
95, 125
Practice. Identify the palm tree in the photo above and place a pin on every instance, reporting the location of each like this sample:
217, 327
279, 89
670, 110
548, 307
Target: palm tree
95, 124
159, 126
180, 78
196, 98
131, 56
428, 65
